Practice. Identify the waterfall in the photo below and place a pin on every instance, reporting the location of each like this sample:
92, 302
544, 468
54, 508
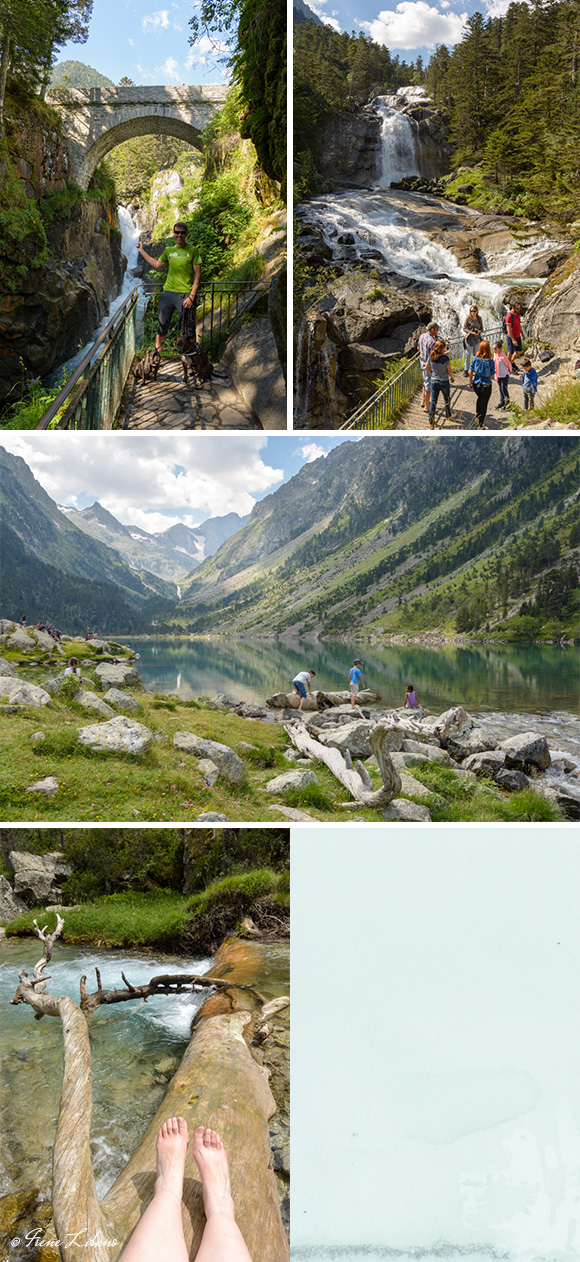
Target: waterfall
399, 143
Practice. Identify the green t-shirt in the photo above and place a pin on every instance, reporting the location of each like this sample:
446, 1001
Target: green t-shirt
181, 264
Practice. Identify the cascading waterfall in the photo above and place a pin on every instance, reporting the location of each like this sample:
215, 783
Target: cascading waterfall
400, 145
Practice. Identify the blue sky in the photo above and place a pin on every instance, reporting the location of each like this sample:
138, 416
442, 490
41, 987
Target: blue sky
410, 28
154, 481
148, 42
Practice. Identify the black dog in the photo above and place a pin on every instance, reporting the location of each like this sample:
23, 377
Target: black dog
194, 359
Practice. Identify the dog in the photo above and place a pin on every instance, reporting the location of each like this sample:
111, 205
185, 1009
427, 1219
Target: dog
148, 367
194, 359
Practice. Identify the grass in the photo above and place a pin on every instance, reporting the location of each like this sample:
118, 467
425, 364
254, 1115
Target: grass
458, 800
117, 920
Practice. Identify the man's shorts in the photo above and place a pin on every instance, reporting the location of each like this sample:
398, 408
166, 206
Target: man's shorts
426, 378
168, 303
299, 686
514, 344
354, 689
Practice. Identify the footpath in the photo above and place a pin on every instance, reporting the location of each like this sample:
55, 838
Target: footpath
463, 402
169, 403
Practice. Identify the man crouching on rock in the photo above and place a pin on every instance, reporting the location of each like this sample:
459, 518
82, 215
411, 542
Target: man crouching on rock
182, 281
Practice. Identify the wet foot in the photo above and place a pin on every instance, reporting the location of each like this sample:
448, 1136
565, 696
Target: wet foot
212, 1163
172, 1142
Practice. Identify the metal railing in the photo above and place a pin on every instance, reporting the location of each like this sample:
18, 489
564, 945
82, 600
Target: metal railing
220, 308
387, 402
96, 386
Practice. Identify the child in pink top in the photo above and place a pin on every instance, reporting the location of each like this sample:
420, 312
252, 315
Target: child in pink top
503, 367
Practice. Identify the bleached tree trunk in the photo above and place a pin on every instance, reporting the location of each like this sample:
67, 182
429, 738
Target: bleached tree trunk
358, 782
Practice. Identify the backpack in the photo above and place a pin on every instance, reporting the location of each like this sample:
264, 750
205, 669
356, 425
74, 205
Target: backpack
504, 327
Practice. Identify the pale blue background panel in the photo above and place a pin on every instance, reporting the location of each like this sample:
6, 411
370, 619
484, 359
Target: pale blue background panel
436, 1043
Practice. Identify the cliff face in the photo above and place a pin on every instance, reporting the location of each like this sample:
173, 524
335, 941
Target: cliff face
55, 310
350, 146
555, 311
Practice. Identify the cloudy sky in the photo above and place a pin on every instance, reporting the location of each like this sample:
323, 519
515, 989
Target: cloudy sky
154, 481
148, 43
410, 28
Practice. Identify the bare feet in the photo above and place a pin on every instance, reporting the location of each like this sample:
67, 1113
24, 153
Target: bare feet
172, 1142
212, 1163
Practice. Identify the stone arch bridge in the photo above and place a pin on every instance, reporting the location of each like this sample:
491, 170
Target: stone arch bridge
96, 120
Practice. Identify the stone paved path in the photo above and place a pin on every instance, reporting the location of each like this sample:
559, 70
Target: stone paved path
463, 402
170, 404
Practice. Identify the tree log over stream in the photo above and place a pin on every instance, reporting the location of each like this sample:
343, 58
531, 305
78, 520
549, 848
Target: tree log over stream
358, 782
218, 1084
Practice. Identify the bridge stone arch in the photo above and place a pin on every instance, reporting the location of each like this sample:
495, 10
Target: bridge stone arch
96, 120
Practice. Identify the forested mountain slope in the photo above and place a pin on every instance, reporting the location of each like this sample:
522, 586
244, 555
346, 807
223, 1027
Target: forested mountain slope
417, 534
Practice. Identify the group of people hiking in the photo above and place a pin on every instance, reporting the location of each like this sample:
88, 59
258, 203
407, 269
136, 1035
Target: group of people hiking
481, 364
41, 626
302, 686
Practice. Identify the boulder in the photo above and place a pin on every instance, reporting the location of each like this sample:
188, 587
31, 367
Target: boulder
486, 763
512, 780
563, 794
37, 876
354, 737
290, 701
117, 675
20, 639
90, 701
119, 735
10, 905
48, 787
209, 771
433, 753
121, 701
526, 751
450, 723
252, 361
230, 766
212, 817
401, 760
224, 701
555, 311
412, 788
6, 668
291, 780
249, 710
22, 694
474, 742
401, 811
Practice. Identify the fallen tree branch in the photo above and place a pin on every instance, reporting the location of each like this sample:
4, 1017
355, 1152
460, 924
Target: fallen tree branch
163, 984
357, 784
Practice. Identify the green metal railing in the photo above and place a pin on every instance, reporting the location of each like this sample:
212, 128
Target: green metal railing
385, 405
96, 386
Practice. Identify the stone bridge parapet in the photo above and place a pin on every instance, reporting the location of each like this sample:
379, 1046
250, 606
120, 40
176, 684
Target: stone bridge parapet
96, 120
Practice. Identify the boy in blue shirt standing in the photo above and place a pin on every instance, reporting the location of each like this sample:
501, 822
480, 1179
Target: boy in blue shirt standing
529, 384
355, 680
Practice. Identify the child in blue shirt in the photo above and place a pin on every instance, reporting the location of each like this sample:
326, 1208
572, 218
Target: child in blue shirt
529, 383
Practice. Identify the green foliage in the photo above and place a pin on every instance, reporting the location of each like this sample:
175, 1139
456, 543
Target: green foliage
333, 72
60, 205
212, 853
116, 920
23, 245
309, 183
133, 164
309, 795
30, 408
218, 910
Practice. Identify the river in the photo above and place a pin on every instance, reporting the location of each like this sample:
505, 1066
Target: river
136, 1049
482, 677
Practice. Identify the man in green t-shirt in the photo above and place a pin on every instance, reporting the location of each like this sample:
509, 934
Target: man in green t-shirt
181, 283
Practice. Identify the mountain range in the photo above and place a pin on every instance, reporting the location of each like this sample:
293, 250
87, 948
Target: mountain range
170, 554
391, 533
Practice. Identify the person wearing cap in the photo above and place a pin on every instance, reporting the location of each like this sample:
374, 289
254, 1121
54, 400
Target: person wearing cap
355, 680
301, 683
179, 292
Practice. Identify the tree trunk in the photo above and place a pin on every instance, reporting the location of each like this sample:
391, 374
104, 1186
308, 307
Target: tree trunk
354, 781
4, 64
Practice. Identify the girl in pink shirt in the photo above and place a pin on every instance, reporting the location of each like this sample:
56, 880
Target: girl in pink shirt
503, 368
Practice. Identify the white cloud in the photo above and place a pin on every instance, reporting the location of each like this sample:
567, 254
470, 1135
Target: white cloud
416, 24
136, 475
496, 8
132, 43
324, 17
205, 52
169, 69
146, 74
310, 452
159, 21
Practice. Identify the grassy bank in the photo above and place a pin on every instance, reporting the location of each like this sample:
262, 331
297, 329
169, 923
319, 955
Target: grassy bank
168, 919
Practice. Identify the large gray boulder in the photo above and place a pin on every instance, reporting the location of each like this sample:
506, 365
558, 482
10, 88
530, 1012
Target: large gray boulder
555, 312
433, 753
19, 693
526, 751
249, 710
230, 766
117, 675
6, 668
90, 701
486, 763
512, 780
563, 793
251, 359
401, 811
120, 735
291, 780
474, 742
354, 737
121, 701
10, 905
37, 876
20, 639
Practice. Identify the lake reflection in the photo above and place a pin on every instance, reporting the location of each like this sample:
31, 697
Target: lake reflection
507, 677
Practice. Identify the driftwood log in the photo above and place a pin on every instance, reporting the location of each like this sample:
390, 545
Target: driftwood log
218, 1084
357, 781
319, 700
